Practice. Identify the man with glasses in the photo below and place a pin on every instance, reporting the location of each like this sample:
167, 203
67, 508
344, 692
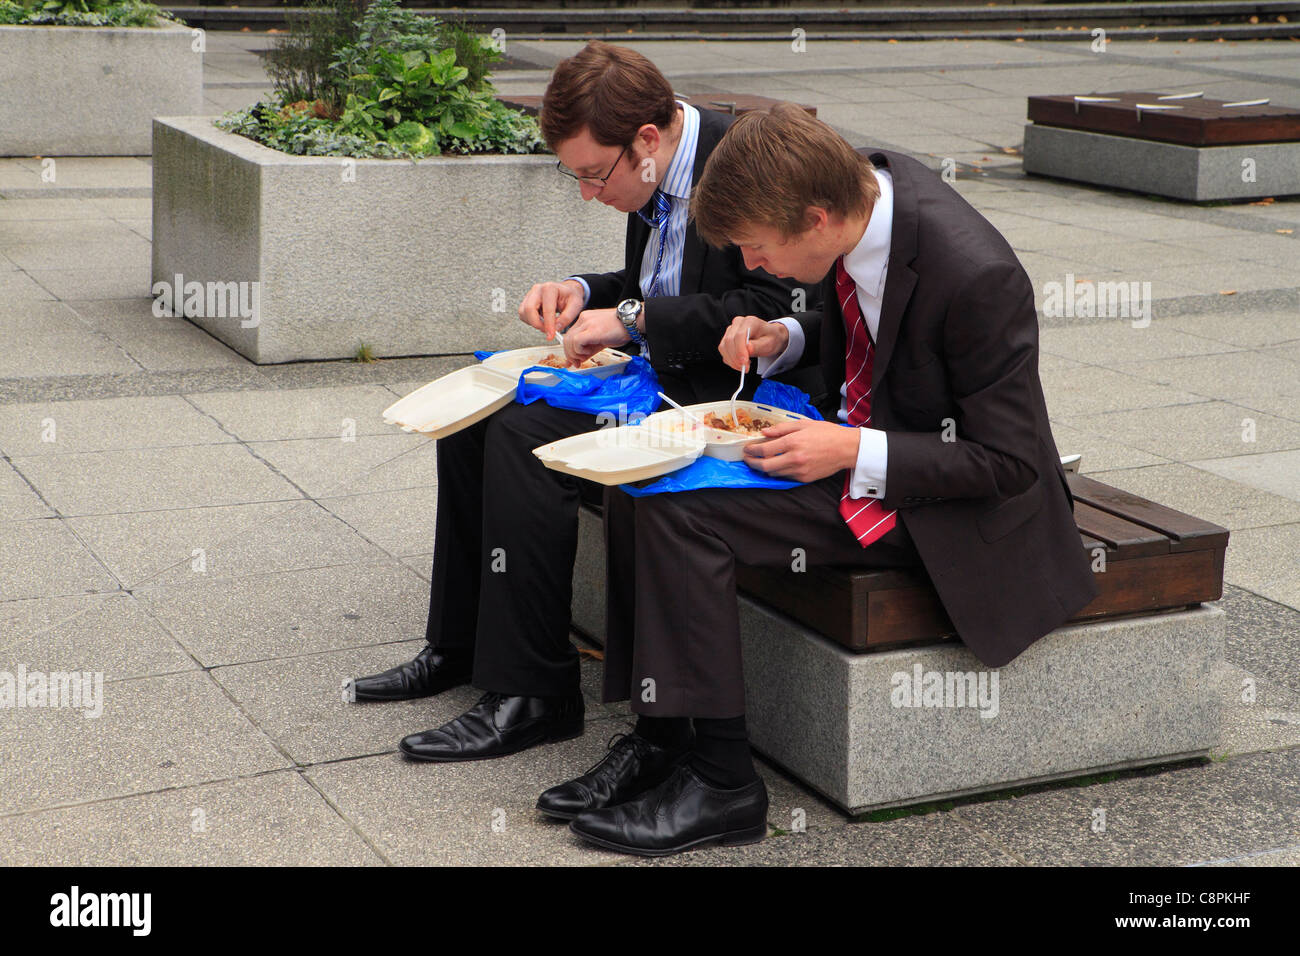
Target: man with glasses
506, 533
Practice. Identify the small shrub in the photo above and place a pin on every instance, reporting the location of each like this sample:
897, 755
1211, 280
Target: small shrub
382, 83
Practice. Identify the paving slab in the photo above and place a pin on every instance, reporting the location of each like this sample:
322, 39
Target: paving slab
1099, 453
1277, 473
1171, 818
105, 283
290, 613
325, 467
45, 338
275, 819
17, 499
1257, 714
153, 479
185, 347
479, 813
153, 733
1116, 340
330, 412
74, 427
1262, 560
157, 548
1198, 430
43, 557
84, 632
32, 210
400, 522
1084, 391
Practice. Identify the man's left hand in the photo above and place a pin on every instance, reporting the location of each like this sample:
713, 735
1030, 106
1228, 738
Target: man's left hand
803, 450
592, 331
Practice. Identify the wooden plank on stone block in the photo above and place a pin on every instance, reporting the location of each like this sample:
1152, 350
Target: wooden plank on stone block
1130, 539
1155, 582
1200, 121
1186, 532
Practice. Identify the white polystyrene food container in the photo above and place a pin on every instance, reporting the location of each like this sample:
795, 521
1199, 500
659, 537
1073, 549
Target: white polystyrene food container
608, 362
616, 456
728, 446
455, 401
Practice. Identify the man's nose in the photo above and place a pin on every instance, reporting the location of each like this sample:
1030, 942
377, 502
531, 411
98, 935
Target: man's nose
752, 261
589, 191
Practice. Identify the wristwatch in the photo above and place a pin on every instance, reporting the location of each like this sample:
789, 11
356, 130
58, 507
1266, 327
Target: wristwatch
629, 310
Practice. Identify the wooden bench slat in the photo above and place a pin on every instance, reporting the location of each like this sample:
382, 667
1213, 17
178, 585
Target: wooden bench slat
1130, 539
1185, 532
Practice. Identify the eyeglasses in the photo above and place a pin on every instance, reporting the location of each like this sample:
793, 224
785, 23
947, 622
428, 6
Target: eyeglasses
591, 180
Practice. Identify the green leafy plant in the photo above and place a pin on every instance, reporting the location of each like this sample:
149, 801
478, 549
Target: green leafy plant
82, 13
383, 83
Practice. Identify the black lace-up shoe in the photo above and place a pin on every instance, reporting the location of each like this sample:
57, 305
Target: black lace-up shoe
680, 813
431, 672
499, 725
632, 766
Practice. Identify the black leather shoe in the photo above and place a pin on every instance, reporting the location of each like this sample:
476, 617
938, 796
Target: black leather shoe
430, 673
680, 813
632, 766
499, 725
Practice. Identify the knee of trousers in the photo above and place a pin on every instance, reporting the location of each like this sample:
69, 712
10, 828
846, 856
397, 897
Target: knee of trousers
517, 429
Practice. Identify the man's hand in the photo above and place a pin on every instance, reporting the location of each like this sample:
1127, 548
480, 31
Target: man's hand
594, 330
551, 306
804, 450
766, 339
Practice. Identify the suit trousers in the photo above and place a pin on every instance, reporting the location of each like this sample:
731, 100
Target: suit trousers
504, 547
672, 623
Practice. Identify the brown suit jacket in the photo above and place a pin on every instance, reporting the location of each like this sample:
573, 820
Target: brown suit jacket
989, 511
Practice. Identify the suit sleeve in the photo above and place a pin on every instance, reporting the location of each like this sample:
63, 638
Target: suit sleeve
686, 329
991, 355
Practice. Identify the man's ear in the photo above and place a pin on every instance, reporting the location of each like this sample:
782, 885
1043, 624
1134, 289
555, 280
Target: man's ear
814, 217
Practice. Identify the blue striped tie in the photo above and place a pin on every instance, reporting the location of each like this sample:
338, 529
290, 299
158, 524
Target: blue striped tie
662, 208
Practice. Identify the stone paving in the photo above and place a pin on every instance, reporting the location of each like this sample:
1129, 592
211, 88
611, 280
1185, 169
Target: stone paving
199, 529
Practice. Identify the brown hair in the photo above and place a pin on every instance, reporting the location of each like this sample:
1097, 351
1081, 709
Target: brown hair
769, 167
611, 90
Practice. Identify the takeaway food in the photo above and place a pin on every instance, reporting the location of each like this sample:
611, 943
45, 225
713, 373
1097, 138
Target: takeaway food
559, 360
743, 424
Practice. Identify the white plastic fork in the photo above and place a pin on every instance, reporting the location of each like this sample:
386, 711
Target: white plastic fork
734, 418
689, 414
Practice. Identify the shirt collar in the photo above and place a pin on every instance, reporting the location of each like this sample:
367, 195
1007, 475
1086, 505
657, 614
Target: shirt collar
677, 178
868, 261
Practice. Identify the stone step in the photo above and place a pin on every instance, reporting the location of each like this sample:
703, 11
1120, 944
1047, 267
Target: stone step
1029, 21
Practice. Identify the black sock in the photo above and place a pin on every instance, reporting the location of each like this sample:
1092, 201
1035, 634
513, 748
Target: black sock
674, 733
721, 754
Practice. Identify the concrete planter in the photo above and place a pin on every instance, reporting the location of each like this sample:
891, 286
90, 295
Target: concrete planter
419, 258
93, 91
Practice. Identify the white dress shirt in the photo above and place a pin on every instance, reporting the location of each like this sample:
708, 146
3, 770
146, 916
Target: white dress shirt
868, 265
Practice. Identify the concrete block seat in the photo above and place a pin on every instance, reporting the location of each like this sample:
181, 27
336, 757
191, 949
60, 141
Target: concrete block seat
857, 685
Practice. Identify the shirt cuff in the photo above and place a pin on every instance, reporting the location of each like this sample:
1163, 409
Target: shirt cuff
586, 289
869, 473
775, 365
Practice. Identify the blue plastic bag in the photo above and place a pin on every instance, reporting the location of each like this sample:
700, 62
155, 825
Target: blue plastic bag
706, 472
630, 395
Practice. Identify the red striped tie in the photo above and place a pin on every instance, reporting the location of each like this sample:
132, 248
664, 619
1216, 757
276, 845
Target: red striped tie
866, 517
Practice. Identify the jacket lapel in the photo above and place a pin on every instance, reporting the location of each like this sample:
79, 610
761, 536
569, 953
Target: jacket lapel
900, 280
712, 125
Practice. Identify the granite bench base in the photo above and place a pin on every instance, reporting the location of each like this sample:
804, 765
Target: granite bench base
878, 730
1192, 173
